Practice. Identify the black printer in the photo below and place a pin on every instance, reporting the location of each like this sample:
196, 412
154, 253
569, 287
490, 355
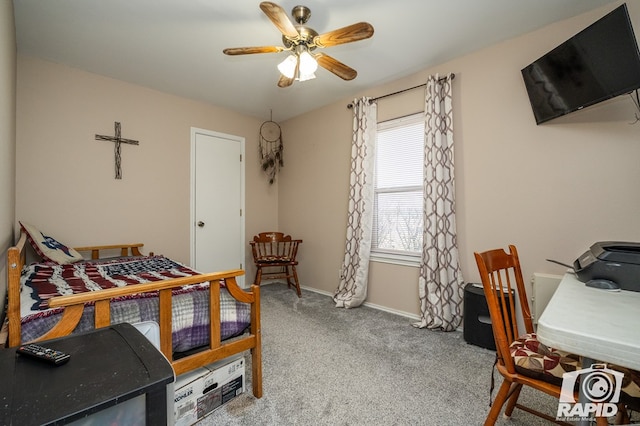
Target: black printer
616, 261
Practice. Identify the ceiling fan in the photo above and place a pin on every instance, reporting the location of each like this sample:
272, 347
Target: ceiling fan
301, 41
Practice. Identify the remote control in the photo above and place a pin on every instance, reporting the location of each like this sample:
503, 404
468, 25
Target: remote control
44, 354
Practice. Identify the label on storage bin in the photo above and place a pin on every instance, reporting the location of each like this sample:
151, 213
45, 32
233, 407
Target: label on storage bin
232, 389
235, 366
209, 402
185, 413
215, 398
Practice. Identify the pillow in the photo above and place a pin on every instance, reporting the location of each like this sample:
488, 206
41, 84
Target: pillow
48, 248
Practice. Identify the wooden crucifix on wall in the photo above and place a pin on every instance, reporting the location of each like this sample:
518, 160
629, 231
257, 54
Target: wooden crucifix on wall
118, 141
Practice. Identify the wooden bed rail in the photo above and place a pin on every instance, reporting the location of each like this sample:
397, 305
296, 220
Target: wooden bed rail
74, 304
124, 249
74, 307
16, 256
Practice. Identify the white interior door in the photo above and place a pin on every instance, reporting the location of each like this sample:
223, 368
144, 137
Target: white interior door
217, 192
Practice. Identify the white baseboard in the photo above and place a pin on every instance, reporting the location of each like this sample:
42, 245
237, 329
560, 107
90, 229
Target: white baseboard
370, 305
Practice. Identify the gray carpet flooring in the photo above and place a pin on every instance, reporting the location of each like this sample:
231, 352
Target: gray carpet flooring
328, 366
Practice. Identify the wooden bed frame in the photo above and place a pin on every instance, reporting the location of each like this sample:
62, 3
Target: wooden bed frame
74, 306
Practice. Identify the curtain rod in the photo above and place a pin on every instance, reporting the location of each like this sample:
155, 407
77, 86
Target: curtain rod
452, 75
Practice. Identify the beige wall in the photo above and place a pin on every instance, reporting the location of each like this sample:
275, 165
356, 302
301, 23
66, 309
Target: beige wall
65, 178
552, 190
7, 139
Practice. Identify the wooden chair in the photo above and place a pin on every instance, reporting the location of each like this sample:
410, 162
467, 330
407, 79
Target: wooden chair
274, 255
501, 274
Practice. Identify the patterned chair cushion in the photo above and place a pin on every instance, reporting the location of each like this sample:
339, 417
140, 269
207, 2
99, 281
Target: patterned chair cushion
273, 259
539, 361
536, 360
630, 394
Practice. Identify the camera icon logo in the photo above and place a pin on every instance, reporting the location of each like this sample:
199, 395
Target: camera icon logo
600, 386
598, 383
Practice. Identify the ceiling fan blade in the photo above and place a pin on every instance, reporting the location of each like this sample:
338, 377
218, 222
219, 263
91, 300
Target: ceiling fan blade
348, 34
285, 81
336, 67
250, 50
279, 17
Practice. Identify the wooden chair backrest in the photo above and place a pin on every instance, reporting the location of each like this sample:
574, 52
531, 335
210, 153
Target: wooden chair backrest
274, 244
501, 274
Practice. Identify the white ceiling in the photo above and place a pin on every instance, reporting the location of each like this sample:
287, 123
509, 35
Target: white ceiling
176, 45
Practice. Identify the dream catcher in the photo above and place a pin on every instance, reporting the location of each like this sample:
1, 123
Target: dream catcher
271, 149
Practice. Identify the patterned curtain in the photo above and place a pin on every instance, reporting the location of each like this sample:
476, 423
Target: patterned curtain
440, 282
352, 290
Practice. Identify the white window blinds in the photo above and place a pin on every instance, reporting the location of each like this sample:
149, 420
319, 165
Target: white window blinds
398, 202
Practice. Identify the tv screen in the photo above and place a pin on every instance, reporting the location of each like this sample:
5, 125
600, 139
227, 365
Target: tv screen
598, 63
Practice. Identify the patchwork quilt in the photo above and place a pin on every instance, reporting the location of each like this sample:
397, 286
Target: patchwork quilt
190, 304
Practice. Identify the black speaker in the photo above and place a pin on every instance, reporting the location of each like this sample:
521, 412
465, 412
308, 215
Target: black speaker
476, 320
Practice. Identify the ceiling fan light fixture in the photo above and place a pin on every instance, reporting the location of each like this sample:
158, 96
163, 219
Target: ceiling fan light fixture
302, 61
308, 64
288, 66
305, 77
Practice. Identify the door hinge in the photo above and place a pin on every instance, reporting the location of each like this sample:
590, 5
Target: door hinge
241, 158
241, 266
240, 212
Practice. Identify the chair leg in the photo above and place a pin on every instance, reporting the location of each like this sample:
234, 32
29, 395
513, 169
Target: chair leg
622, 418
513, 400
496, 407
295, 279
287, 275
258, 278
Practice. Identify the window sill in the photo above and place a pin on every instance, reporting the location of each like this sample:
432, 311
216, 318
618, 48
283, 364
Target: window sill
396, 259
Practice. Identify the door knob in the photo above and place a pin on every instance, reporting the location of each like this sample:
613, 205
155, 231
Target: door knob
200, 224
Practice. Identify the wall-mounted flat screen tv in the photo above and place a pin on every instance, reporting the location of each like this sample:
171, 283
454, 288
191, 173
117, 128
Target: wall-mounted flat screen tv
598, 63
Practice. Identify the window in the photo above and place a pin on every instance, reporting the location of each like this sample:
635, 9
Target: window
397, 218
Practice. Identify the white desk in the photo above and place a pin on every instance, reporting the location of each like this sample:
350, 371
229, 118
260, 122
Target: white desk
597, 324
